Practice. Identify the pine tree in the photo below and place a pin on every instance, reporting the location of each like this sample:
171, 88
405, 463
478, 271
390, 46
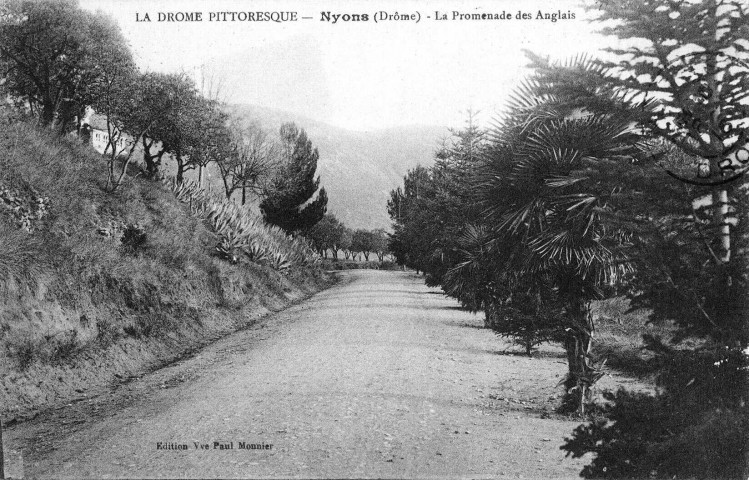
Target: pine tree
288, 201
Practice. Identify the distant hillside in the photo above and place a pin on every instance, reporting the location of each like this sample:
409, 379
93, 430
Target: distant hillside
358, 169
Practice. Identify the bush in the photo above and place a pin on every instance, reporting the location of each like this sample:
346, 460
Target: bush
694, 428
55, 348
527, 331
134, 239
527, 317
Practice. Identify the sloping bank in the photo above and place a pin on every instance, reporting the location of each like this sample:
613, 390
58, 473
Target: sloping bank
96, 287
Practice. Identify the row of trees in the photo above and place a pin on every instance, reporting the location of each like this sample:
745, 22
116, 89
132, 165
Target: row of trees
623, 177
330, 235
59, 61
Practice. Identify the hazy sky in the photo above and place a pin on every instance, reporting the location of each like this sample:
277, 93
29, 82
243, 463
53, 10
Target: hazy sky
357, 75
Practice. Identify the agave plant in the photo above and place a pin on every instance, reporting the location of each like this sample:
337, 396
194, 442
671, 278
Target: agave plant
255, 252
189, 192
241, 232
278, 260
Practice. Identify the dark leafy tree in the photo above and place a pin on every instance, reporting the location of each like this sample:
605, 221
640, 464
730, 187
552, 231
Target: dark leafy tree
288, 201
345, 242
364, 242
51, 52
182, 122
326, 235
693, 426
691, 64
434, 206
160, 95
411, 242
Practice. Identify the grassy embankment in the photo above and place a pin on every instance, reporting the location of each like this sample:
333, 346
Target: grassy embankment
109, 285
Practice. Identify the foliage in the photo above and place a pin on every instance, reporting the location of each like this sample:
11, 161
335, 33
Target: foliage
243, 234
134, 239
344, 243
53, 53
431, 210
695, 428
529, 317
546, 188
691, 60
691, 243
24, 205
702, 390
251, 160
412, 238
159, 96
185, 130
363, 241
326, 235
288, 200
380, 240
474, 280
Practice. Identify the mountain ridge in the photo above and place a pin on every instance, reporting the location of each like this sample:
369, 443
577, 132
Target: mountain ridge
357, 168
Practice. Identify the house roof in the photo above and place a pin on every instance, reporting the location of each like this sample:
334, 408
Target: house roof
97, 121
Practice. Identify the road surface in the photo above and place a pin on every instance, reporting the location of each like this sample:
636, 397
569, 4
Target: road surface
378, 376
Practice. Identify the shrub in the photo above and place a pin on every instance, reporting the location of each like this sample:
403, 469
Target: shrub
63, 345
106, 332
134, 239
51, 348
693, 428
25, 350
526, 330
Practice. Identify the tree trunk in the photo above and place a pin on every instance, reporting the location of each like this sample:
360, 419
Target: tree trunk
581, 374
48, 113
180, 168
244, 192
490, 314
720, 212
152, 161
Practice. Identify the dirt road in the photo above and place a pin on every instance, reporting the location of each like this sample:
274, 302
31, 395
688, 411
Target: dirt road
378, 376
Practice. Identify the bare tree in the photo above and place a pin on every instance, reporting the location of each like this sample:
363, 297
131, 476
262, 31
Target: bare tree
254, 157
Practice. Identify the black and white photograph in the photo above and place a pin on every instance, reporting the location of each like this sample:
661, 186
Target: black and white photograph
387, 239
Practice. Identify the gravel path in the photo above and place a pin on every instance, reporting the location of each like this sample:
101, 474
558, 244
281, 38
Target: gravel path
378, 376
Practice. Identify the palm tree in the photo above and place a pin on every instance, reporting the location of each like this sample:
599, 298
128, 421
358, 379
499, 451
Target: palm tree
546, 187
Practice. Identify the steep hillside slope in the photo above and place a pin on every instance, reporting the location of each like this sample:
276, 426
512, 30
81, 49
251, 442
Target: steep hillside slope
358, 169
96, 286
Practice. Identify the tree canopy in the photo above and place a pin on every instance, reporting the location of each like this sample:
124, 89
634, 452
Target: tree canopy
53, 54
288, 201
